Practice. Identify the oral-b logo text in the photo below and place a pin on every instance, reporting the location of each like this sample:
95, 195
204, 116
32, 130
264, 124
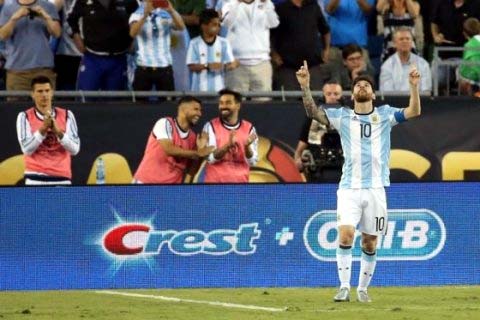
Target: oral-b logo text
413, 234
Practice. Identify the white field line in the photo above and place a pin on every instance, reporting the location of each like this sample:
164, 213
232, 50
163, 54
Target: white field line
173, 299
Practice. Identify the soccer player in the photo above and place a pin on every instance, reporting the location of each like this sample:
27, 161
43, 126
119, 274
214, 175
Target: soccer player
365, 137
173, 147
235, 141
48, 137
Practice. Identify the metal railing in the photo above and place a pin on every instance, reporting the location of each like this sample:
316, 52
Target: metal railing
437, 62
133, 96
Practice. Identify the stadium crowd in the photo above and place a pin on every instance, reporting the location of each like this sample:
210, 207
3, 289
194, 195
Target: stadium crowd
245, 45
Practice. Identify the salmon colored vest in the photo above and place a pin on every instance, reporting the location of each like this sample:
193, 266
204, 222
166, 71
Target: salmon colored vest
50, 158
157, 167
233, 167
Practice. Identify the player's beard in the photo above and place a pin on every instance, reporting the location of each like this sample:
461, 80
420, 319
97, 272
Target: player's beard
225, 115
362, 96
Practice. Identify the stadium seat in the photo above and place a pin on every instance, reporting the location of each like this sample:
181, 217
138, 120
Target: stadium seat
11, 170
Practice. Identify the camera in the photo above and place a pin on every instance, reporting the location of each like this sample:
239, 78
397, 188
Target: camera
32, 14
323, 163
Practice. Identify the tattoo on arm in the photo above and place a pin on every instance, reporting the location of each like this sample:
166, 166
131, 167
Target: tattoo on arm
314, 112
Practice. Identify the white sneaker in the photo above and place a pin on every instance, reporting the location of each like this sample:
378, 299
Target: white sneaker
343, 295
362, 296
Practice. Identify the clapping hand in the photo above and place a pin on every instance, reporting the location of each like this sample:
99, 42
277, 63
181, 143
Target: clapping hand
47, 124
202, 149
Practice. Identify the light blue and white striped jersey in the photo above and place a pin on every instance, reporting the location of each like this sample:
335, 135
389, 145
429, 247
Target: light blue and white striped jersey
366, 144
153, 41
199, 52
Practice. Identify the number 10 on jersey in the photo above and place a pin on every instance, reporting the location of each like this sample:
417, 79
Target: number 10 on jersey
365, 130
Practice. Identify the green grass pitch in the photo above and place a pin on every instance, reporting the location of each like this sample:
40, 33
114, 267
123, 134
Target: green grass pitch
389, 303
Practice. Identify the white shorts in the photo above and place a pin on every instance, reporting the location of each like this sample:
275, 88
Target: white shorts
365, 208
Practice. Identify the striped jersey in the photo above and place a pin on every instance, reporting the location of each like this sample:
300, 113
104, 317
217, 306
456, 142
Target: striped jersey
366, 144
153, 41
199, 52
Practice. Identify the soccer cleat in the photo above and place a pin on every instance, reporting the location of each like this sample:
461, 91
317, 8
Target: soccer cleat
343, 295
362, 296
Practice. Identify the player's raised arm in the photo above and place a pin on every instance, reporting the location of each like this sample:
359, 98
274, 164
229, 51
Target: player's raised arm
314, 112
414, 109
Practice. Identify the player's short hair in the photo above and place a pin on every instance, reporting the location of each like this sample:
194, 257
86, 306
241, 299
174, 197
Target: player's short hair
235, 94
350, 49
187, 99
363, 77
40, 80
208, 15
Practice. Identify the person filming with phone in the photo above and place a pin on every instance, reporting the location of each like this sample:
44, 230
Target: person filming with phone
150, 26
26, 27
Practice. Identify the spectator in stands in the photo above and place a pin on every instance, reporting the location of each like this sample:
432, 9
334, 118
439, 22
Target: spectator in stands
313, 138
249, 24
296, 39
354, 65
209, 55
173, 148
151, 29
235, 141
190, 11
447, 30
3, 54
398, 13
348, 23
101, 32
469, 75
447, 23
395, 71
67, 56
48, 137
26, 27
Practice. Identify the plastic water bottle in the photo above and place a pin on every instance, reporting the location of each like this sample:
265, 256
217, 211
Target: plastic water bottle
100, 172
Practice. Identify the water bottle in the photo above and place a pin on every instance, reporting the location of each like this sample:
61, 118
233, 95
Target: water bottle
100, 172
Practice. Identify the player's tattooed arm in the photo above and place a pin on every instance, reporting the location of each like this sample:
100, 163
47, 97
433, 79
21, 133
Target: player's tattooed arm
314, 112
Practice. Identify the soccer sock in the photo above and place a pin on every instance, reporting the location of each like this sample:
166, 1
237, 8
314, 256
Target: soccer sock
367, 268
344, 265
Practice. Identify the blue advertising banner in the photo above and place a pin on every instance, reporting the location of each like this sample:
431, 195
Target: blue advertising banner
227, 236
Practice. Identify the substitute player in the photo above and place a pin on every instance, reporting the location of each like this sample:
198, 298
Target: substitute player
365, 137
235, 141
173, 148
48, 137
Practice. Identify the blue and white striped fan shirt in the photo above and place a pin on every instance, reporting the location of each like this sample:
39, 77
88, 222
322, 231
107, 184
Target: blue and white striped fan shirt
153, 41
366, 144
200, 52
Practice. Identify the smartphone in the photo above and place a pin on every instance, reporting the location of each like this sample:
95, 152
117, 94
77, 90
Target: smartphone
160, 3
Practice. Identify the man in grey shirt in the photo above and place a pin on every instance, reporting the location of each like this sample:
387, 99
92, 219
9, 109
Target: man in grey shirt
25, 26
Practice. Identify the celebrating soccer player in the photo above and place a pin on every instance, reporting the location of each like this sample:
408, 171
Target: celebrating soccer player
365, 137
